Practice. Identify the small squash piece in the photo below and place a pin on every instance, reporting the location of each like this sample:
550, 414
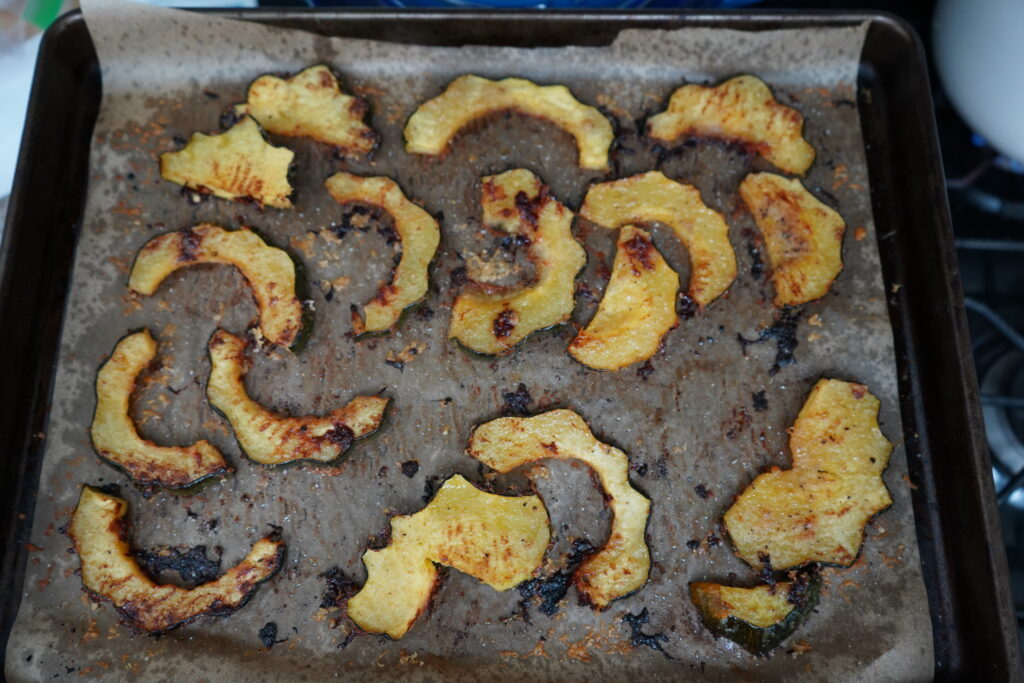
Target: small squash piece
742, 110
114, 435
99, 533
435, 122
310, 104
270, 439
239, 165
622, 565
493, 323
759, 618
269, 271
500, 540
816, 511
703, 231
419, 234
803, 236
638, 307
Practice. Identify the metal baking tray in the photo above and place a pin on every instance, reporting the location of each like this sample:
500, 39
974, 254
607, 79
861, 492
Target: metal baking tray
975, 629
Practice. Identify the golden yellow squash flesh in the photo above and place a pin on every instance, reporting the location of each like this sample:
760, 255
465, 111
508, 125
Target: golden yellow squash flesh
114, 435
99, 533
816, 511
433, 125
637, 310
741, 110
803, 236
500, 540
623, 564
239, 165
419, 234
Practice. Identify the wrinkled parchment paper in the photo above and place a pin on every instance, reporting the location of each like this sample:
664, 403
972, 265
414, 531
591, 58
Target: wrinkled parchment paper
694, 425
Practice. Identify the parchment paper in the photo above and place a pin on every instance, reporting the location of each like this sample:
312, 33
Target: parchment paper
692, 423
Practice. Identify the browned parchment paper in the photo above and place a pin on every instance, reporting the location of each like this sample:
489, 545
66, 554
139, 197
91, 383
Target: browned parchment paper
692, 421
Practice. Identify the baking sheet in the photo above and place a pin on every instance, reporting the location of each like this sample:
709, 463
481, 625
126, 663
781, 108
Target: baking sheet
691, 422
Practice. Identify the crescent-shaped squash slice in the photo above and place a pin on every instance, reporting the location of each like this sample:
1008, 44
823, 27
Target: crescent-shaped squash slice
803, 236
99, 532
310, 104
637, 310
760, 618
238, 164
419, 234
114, 435
653, 197
493, 323
270, 439
433, 125
269, 271
816, 511
740, 110
622, 565
500, 540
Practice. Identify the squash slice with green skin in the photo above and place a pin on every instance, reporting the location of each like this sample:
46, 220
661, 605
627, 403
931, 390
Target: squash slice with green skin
760, 618
816, 511
493, 323
623, 564
637, 310
269, 271
99, 532
740, 110
500, 540
114, 435
310, 104
434, 123
239, 165
270, 439
703, 231
419, 234
803, 236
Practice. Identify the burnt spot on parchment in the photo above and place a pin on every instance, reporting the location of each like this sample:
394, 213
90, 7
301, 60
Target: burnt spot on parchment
760, 403
410, 468
340, 587
783, 333
517, 402
553, 589
637, 637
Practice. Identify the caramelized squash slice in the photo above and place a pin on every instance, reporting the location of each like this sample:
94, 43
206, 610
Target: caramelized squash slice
419, 233
269, 271
114, 435
310, 104
500, 540
741, 110
803, 236
239, 165
493, 323
637, 310
816, 511
622, 565
433, 125
99, 532
270, 439
653, 197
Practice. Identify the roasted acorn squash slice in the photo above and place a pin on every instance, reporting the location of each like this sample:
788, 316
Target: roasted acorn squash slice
114, 435
803, 236
433, 125
816, 511
759, 618
419, 234
310, 104
638, 307
239, 165
493, 323
270, 439
269, 271
742, 110
653, 197
100, 535
500, 540
622, 565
